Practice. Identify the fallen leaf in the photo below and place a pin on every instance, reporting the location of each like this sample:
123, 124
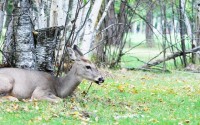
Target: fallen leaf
145, 109
134, 91
153, 120
187, 121
15, 106
121, 88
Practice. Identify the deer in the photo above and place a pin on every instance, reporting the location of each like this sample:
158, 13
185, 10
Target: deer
29, 84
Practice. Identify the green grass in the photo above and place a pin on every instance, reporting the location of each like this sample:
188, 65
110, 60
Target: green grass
126, 98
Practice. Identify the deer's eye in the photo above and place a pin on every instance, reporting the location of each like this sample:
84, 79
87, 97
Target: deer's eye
88, 67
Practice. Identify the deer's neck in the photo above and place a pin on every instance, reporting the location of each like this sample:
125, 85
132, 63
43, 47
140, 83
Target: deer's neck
68, 83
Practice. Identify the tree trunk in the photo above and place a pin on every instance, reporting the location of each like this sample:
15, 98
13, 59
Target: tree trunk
164, 30
100, 53
23, 45
110, 20
197, 35
82, 16
47, 40
2, 14
1, 17
7, 45
58, 12
68, 27
121, 29
187, 21
182, 31
149, 25
89, 28
41, 14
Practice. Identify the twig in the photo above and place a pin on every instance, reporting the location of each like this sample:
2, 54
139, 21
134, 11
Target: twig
133, 47
87, 90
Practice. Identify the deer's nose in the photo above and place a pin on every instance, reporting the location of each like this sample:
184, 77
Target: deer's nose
101, 79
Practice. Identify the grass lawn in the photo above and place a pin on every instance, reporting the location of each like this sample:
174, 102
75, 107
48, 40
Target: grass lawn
126, 98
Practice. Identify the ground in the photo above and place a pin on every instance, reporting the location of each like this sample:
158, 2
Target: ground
126, 98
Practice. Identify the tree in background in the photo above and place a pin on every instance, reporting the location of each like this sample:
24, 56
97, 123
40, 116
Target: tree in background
3, 4
100, 28
197, 30
149, 24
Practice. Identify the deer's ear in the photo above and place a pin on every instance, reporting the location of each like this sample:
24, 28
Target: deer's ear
71, 53
77, 51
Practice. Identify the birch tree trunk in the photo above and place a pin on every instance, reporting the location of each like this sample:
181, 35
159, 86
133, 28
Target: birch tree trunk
39, 13
74, 8
23, 45
80, 22
1, 17
187, 21
2, 13
99, 51
58, 12
8, 45
89, 28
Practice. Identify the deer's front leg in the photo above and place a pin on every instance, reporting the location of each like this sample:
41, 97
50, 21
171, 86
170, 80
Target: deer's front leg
43, 94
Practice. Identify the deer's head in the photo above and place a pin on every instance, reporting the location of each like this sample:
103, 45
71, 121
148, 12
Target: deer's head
85, 69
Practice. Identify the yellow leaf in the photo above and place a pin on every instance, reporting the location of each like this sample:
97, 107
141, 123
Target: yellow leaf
15, 106
39, 118
121, 88
134, 91
76, 113
154, 120
146, 109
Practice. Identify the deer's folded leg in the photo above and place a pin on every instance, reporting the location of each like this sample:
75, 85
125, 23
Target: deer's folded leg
6, 83
43, 94
8, 98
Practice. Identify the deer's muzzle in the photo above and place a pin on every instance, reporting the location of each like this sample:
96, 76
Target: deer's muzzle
100, 80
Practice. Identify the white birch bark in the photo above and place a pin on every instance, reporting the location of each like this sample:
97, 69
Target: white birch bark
101, 21
154, 24
2, 14
61, 19
90, 25
141, 31
187, 21
79, 23
74, 7
1, 18
41, 19
134, 28
58, 12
